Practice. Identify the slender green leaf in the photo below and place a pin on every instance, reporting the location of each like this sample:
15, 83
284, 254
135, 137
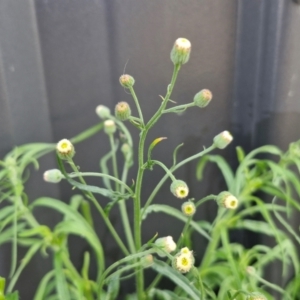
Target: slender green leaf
179, 279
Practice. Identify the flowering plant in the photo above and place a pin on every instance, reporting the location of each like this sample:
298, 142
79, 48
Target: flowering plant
226, 271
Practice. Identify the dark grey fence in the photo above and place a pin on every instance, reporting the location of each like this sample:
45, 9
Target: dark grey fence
59, 59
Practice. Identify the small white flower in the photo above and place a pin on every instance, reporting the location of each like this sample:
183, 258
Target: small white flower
183, 261
65, 149
188, 208
179, 189
227, 200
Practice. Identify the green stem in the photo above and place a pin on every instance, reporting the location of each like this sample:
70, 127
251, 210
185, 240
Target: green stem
137, 212
114, 160
136, 103
155, 117
225, 242
101, 211
178, 108
162, 181
139, 179
122, 261
168, 172
122, 184
205, 199
124, 215
210, 249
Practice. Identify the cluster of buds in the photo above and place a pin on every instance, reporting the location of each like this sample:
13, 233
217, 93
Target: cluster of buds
188, 208
184, 260
227, 200
179, 189
167, 244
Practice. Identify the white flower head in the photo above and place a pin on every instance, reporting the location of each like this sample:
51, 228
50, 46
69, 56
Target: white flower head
65, 149
179, 189
227, 200
183, 261
188, 208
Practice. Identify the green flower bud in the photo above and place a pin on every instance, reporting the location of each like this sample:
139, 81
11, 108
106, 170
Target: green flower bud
65, 149
188, 208
227, 200
203, 98
183, 261
167, 244
126, 81
147, 261
179, 189
122, 111
103, 112
53, 176
256, 296
127, 151
181, 50
110, 127
223, 139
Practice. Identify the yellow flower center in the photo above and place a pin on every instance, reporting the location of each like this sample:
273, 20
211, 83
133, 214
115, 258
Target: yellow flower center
184, 261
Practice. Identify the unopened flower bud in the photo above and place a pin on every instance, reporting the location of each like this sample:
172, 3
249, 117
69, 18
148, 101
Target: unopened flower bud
53, 176
122, 111
250, 270
181, 50
227, 200
110, 127
223, 139
127, 151
65, 149
147, 260
256, 296
103, 112
188, 208
186, 250
183, 261
126, 81
165, 243
203, 98
179, 189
